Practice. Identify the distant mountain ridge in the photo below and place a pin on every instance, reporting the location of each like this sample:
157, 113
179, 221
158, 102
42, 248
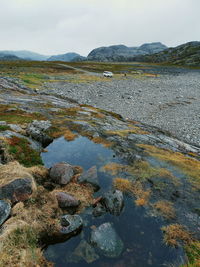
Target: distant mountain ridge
24, 54
187, 54
8, 57
65, 57
124, 53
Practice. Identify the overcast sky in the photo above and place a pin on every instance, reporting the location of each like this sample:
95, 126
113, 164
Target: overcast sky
60, 26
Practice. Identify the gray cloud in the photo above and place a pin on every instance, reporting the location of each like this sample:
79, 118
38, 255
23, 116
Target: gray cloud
59, 26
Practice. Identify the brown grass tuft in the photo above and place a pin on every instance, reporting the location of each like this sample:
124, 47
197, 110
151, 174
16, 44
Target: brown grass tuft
69, 135
114, 168
165, 208
174, 233
100, 140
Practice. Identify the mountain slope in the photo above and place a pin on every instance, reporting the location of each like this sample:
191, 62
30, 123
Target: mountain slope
64, 57
4, 57
25, 55
185, 54
122, 52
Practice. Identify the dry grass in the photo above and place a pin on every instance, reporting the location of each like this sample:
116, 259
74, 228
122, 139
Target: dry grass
165, 208
13, 170
69, 135
189, 166
175, 233
100, 140
124, 133
193, 253
135, 188
113, 168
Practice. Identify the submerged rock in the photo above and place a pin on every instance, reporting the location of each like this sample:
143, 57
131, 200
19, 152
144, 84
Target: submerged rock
71, 224
107, 241
37, 130
66, 200
83, 251
5, 210
90, 177
17, 190
61, 173
113, 202
99, 210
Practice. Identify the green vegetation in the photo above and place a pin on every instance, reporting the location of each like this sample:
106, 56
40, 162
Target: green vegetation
21, 151
4, 127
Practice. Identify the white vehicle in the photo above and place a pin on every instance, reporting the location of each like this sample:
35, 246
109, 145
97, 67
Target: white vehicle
108, 74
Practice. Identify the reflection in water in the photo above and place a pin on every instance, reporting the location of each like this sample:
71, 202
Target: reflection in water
141, 234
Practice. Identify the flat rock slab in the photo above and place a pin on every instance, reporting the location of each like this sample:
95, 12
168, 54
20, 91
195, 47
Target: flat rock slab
107, 240
61, 173
5, 210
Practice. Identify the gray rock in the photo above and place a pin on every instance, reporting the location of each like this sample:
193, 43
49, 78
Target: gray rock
83, 251
17, 190
107, 241
37, 131
5, 210
90, 177
99, 210
71, 224
15, 127
113, 202
66, 200
3, 123
61, 173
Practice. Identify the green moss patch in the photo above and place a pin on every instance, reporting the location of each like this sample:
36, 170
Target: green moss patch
21, 151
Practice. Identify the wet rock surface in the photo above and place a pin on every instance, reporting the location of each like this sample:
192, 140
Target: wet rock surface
5, 210
61, 173
90, 177
17, 190
107, 240
71, 224
113, 202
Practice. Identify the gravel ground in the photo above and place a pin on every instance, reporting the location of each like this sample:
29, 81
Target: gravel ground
170, 101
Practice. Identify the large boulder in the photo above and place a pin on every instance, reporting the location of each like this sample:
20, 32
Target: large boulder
37, 130
107, 241
90, 177
61, 173
17, 190
5, 210
66, 200
113, 202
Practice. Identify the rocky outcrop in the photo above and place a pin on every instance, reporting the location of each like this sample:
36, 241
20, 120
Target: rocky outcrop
37, 130
107, 240
5, 210
90, 177
17, 190
124, 53
61, 173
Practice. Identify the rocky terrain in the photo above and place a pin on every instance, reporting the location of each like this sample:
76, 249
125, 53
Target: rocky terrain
66, 57
124, 53
186, 54
113, 190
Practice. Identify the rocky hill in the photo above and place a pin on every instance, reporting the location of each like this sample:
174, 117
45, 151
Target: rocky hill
65, 57
124, 53
185, 54
4, 57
